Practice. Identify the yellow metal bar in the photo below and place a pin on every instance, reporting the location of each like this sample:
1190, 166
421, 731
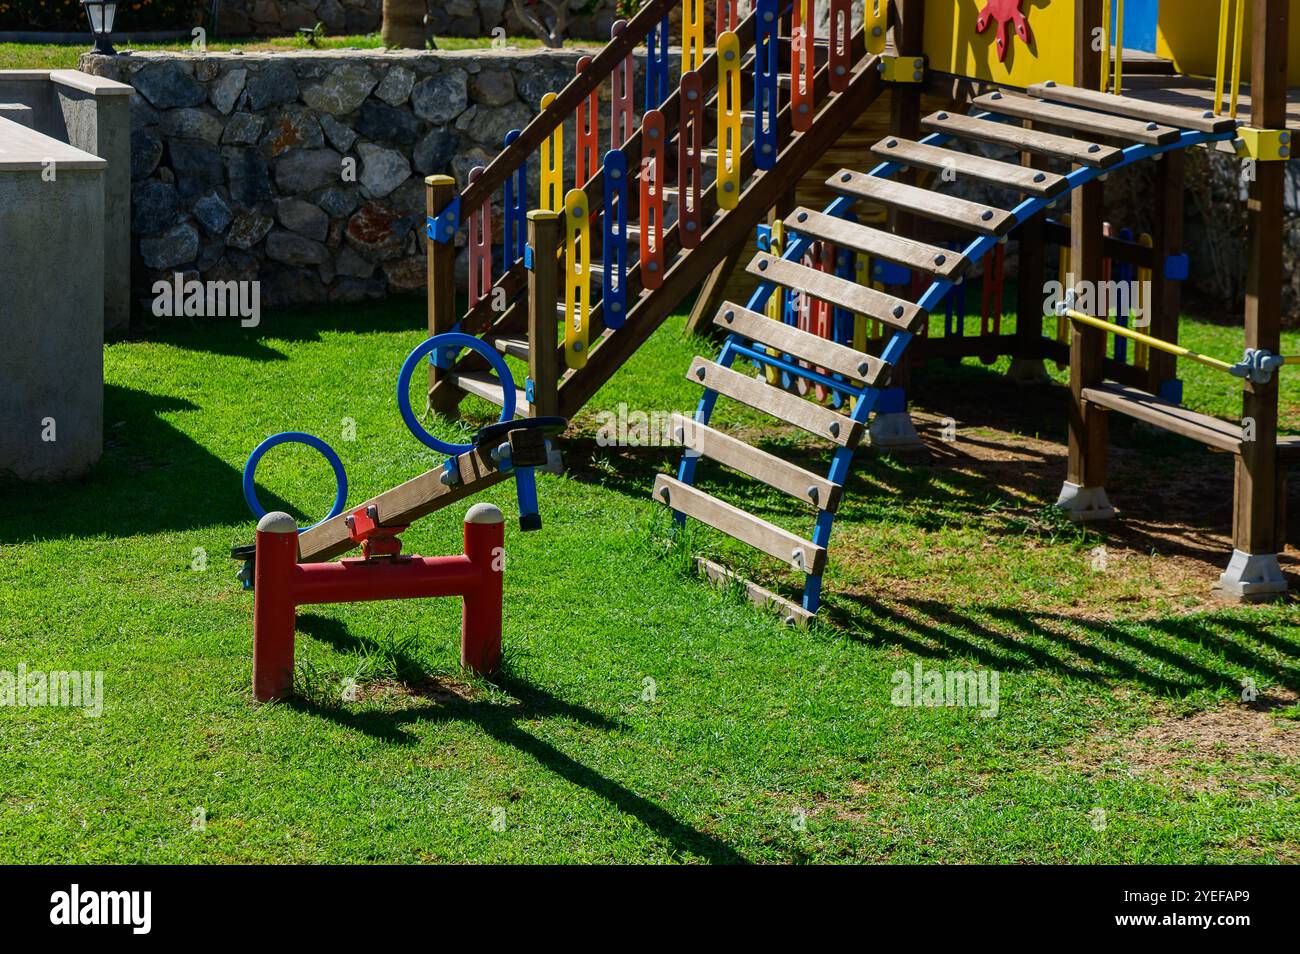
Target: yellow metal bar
1156, 343
552, 163
1119, 47
729, 142
1238, 35
1221, 67
577, 278
1063, 259
1105, 44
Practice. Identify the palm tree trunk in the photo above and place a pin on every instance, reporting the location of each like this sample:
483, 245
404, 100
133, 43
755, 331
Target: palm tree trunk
404, 24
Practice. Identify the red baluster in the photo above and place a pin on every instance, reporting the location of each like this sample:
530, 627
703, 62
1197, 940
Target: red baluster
620, 100
480, 247
803, 63
587, 122
841, 61
727, 17
652, 200
690, 161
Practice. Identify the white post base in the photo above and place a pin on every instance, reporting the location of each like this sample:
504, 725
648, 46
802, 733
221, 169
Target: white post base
1028, 372
1085, 504
894, 432
1251, 576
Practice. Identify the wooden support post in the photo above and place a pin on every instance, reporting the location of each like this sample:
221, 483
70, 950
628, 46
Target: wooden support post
439, 192
1166, 299
1027, 363
714, 291
1255, 525
543, 297
1084, 495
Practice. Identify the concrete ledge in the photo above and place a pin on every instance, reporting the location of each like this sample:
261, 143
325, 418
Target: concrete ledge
25, 150
88, 83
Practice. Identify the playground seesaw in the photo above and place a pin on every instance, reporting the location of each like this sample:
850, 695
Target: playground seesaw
276, 566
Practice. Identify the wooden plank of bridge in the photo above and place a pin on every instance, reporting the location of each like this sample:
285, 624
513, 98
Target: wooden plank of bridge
929, 259
895, 312
1025, 139
1079, 120
1018, 178
974, 216
821, 352
1199, 120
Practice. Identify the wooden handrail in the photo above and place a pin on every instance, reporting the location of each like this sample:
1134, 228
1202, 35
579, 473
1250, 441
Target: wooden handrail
566, 101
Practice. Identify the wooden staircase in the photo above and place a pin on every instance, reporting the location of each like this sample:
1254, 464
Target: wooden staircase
1094, 133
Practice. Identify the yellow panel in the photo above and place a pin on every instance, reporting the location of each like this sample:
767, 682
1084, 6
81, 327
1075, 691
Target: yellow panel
1188, 33
953, 46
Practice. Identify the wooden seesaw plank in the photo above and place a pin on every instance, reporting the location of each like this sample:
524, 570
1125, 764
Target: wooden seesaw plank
749, 460
405, 503
1026, 140
895, 312
930, 259
975, 216
813, 418
788, 339
775, 541
1007, 175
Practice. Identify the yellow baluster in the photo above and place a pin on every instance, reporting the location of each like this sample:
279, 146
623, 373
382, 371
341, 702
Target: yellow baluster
1141, 350
876, 16
862, 275
729, 145
577, 278
552, 163
1105, 44
776, 300
692, 35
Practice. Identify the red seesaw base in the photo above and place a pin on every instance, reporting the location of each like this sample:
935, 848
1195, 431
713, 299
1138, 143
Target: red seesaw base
282, 584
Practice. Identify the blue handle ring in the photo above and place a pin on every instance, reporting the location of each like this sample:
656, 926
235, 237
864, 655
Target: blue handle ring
295, 437
450, 340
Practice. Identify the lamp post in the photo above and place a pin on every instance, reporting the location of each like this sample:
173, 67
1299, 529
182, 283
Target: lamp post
101, 13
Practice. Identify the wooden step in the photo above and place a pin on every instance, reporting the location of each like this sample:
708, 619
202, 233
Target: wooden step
1018, 178
1201, 120
1079, 120
758, 394
484, 384
793, 550
984, 219
791, 613
1028, 140
1166, 415
895, 312
749, 460
787, 339
515, 347
928, 259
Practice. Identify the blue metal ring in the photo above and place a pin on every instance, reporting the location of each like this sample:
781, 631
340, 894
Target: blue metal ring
453, 340
295, 437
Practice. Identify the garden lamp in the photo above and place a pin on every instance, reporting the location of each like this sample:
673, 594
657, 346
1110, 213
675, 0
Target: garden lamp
101, 13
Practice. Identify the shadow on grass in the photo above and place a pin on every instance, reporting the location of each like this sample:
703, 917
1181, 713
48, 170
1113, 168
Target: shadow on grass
303, 323
1170, 656
151, 479
502, 723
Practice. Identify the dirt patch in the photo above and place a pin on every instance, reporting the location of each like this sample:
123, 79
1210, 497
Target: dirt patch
1234, 745
429, 689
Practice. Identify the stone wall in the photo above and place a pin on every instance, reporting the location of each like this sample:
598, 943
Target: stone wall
467, 18
305, 170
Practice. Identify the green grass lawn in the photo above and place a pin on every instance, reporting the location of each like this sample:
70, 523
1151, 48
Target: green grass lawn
641, 715
53, 56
